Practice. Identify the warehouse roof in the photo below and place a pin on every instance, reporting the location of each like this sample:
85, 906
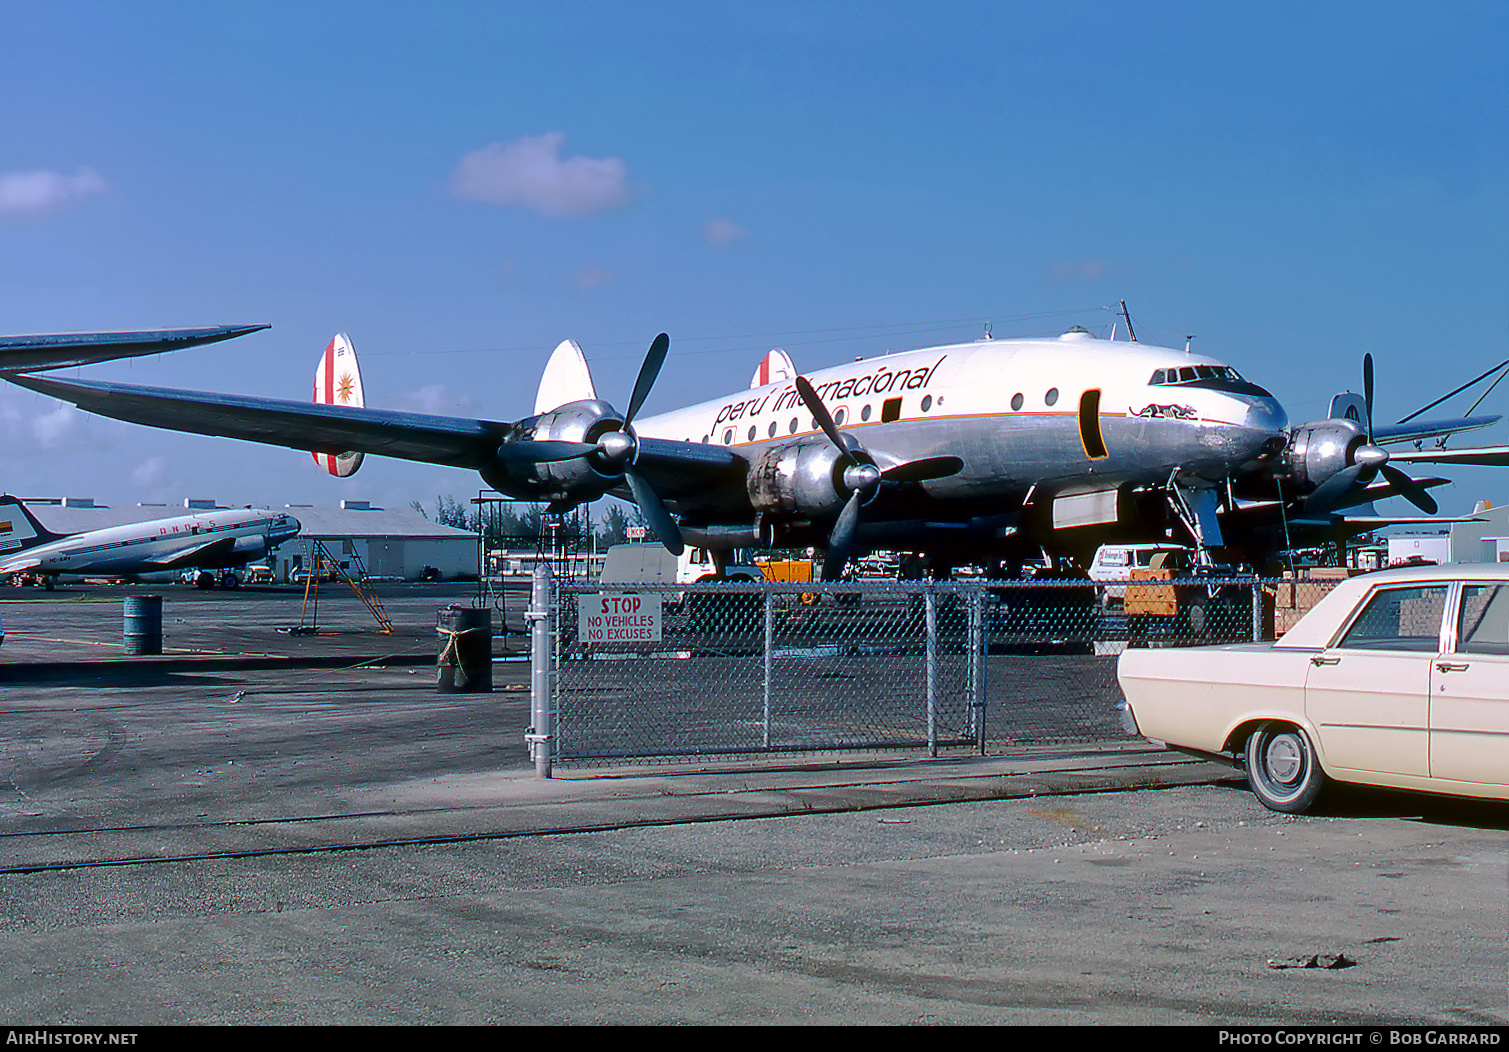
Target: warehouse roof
356, 519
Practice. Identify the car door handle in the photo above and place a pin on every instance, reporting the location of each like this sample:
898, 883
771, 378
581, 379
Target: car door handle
1447, 666
1319, 660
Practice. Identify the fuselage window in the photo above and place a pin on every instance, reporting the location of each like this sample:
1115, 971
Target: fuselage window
838, 418
793, 425
751, 433
1016, 401
728, 437
1051, 398
771, 429
927, 402
864, 414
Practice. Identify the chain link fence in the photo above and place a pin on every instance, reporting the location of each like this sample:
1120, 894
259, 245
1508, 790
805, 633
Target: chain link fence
675, 673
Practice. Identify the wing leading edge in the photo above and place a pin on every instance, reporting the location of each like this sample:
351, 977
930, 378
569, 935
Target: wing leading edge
452, 441
679, 467
67, 349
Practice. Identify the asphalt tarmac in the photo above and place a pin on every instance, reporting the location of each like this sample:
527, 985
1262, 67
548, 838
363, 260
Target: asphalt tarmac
267, 828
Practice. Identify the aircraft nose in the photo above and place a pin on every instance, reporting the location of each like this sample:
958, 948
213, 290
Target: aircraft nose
1266, 415
287, 529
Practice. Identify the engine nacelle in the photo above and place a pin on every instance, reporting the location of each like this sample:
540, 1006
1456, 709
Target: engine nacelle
801, 478
1319, 450
573, 481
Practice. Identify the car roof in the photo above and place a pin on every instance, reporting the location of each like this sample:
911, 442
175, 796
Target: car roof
1317, 627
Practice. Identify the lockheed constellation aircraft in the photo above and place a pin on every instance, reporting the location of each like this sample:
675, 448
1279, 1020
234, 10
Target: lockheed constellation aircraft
991, 451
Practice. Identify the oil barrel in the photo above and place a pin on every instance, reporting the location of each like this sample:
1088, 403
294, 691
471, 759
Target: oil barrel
464, 664
143, 624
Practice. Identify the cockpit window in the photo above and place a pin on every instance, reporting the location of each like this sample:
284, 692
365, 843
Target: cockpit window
1157, 378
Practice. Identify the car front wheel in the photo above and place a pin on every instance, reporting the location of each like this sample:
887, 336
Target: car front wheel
1282, 770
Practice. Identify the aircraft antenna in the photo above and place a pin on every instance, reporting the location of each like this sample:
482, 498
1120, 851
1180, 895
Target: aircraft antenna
1131, 332
1188, 339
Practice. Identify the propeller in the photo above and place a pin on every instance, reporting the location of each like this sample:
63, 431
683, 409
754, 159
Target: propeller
616, 451
862, 478
1370, 459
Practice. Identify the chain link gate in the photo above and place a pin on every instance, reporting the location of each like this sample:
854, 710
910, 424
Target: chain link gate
750, 669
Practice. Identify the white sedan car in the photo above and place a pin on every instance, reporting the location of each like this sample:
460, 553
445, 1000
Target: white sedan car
1398, 678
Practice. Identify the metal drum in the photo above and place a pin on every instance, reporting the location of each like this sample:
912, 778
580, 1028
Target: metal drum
464, 664
143, 624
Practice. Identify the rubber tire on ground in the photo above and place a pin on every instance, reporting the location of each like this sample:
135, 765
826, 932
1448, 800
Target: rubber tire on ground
1282, 770
1197, 615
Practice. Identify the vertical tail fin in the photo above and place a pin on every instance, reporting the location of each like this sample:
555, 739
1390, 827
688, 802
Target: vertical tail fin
19, 528
338, 381
566, 379
775, 368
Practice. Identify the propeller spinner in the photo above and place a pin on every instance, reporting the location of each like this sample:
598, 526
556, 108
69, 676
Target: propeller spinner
1368, 461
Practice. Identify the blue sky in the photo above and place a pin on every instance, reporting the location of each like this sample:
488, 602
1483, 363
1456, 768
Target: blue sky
462, 186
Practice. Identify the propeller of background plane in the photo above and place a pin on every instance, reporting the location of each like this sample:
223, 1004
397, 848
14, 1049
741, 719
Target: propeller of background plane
862, 478
1368, 461
615, 451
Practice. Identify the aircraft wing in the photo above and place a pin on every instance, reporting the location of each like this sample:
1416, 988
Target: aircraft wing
678, 468
452, 441
1487, 456
1419, 430
212, 550
674, 468
67, 349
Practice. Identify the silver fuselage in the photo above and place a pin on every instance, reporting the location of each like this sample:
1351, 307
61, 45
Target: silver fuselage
1040, 415
209, 540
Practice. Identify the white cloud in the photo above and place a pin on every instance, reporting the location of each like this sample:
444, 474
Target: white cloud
1080, 270
590, 277
150, 472
55, 430
723, 232
38, 193
437, 400
530, 173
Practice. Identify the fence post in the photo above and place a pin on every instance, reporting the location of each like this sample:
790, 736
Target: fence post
932, 670
979, 653
769, 658
541, 734
1257, 609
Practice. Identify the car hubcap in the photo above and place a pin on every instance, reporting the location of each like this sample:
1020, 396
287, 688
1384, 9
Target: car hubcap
1285, 760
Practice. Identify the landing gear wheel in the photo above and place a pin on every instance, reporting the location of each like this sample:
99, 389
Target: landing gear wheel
1282, 770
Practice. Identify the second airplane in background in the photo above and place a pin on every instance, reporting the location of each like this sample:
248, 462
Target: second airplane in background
221, 540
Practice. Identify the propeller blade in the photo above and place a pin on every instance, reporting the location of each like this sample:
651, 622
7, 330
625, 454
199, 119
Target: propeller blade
653, 360
924, 470
841, 541
1367, 391
819, 413
543, 452
666, 530
1333, 489
1410, 490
